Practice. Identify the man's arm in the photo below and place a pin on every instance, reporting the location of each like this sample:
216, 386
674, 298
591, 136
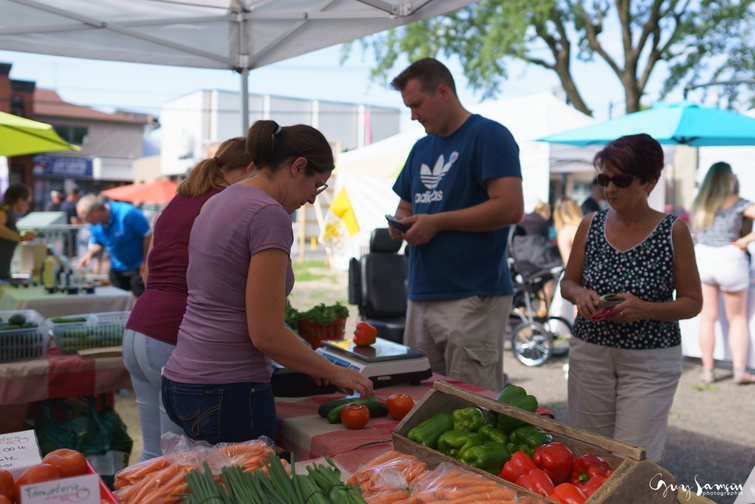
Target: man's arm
504, 207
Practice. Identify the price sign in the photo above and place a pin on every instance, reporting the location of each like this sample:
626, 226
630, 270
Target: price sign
79, 490
19, 450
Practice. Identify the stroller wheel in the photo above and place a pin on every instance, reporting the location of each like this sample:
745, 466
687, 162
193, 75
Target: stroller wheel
532, 344
561, 330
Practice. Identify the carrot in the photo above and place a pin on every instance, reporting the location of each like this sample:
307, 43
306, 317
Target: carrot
388, 497
166, 481
138, 471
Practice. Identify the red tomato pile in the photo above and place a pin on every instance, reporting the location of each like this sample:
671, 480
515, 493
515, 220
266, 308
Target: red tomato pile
61, 463
554, 472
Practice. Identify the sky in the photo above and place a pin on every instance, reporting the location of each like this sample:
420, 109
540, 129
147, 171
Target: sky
139, 87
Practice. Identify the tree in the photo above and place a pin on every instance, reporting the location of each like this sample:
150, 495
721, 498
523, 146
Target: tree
694, 38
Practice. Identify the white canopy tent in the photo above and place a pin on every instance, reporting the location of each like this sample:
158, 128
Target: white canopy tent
364, 177
238, 35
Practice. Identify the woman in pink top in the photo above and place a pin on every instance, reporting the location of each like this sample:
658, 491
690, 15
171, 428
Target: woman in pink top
216, 384
152, 328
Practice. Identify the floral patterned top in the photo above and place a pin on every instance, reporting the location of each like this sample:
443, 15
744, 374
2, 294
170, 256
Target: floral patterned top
647, 271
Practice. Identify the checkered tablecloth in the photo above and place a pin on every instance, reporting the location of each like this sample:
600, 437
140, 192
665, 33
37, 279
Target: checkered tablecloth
60, 376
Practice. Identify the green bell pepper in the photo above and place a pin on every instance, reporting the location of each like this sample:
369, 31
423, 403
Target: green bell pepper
455, 442
427, 433
516, 396
527, 438
468, 419
489, 457
491, 433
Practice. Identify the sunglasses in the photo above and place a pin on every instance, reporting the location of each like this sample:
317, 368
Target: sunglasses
621, 180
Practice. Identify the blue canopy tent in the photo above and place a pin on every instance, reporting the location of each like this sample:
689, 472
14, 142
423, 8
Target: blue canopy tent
684, 123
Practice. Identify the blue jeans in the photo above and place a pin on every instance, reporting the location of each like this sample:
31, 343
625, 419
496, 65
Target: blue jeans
231, 412
144, 357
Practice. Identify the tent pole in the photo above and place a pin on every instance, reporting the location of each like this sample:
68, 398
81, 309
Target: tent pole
244, 101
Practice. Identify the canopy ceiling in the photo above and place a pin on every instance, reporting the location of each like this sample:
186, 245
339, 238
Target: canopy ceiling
231, 34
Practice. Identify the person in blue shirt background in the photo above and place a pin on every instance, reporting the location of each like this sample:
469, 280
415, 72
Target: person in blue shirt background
460, 189
123, 230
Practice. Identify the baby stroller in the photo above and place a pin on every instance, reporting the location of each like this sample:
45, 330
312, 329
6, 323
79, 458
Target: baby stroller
533, 261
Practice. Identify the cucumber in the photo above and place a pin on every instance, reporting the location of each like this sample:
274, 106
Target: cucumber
377, 409
64, 320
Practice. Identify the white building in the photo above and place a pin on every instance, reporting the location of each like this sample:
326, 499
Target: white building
192, 122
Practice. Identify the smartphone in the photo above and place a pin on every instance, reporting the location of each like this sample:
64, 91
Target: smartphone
392, 221
609, 300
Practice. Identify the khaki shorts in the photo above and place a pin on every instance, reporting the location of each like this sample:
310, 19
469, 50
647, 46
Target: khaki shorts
463, 338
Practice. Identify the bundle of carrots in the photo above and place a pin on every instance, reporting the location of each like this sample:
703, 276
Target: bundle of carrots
390, 471
164, 486
250, 455
448, 483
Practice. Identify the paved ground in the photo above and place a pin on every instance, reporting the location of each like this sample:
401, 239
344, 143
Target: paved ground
711, 439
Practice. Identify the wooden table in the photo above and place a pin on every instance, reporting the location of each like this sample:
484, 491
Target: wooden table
104, 299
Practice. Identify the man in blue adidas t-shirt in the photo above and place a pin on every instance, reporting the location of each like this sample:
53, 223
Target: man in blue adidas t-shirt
123, 230
460, 189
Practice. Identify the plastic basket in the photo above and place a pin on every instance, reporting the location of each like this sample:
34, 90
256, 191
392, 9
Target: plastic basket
97, 331
316, 333
23, 343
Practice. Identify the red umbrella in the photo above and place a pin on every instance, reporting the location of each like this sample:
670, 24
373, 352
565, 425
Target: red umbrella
159, 191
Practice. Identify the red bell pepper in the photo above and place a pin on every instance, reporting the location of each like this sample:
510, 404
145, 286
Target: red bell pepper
538, 481
365, 334
519, 464
567, 493
587, 467
594, 483
556, 459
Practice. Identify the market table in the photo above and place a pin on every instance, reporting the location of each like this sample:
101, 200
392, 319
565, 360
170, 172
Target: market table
53, 377
104, 299
302, 431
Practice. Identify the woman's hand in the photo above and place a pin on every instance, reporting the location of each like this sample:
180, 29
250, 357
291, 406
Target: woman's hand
742, 243
586, 301
629, 310
27, 235
351, 381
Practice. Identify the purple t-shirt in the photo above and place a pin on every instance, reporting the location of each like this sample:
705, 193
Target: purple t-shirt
214, 346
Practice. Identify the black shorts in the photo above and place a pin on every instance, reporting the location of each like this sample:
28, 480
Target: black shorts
130, 280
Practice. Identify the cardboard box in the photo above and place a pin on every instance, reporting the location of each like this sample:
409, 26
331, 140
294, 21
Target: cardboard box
630, 482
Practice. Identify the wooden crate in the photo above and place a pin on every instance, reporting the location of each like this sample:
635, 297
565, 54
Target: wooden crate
630, 482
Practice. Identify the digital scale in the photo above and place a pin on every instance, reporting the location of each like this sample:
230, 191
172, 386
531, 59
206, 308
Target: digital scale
384, 362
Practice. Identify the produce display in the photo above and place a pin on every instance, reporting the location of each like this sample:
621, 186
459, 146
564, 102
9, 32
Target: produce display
58, 464
22, 336
332, 410
92, 330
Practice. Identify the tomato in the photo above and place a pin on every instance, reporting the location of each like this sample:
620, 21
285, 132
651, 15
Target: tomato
365, 334
399, 405
37, 474
69, 462
7, 487
355, 416
5, 500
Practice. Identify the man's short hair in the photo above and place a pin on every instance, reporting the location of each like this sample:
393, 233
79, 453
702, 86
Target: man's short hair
90, 202
430, 72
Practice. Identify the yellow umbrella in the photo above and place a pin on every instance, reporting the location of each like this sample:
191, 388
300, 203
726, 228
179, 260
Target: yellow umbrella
19, 136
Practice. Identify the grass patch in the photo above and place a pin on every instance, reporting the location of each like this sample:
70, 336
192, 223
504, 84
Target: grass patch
312, 270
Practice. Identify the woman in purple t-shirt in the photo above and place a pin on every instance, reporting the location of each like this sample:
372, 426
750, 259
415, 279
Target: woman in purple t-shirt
152, 327
216, 384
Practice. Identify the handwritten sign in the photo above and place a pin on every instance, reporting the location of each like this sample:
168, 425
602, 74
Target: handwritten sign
77, 490
19, 450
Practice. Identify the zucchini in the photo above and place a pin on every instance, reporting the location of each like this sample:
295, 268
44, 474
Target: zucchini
69, 320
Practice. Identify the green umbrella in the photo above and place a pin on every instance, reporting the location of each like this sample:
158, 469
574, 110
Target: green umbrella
19, 136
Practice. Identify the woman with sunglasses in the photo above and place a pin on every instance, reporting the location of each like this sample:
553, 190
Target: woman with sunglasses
216, 383
717, 217
625, 361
